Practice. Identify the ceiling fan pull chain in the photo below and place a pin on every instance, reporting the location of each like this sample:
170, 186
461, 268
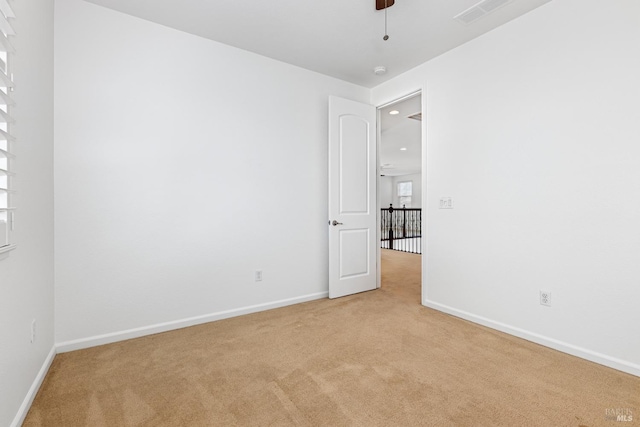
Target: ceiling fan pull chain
386, 36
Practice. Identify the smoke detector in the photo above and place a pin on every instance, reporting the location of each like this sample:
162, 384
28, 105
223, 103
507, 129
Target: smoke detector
380, 70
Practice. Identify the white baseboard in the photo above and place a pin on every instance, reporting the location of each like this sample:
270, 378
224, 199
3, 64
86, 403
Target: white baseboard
583, 353
33, 390
178, 324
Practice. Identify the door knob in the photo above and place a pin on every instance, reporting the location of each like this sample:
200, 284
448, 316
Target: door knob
334, 223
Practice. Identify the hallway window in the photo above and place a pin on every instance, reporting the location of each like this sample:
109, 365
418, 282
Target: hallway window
405, 191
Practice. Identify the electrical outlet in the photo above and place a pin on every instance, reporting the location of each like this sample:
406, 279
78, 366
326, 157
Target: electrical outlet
545, 298
258, 276
33, 330
4, 236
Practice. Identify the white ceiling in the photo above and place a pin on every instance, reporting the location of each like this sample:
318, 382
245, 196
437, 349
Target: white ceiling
339, 38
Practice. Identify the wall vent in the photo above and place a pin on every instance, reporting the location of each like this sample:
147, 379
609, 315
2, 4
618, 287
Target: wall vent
479, 10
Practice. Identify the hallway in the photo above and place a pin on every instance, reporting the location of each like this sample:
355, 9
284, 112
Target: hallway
401, 273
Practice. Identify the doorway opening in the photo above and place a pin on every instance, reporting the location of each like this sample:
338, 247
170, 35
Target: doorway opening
400, 193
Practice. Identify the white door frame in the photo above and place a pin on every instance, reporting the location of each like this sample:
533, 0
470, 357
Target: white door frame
423, 131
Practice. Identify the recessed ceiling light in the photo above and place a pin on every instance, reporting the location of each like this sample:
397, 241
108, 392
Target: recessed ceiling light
394, 112
403, 149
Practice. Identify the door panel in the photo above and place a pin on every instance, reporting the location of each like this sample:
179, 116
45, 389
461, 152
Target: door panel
354, 156
352, 197
354, 253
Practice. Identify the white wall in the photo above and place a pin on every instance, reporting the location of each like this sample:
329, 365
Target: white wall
385, 191
533, 130
26, 274
151, 123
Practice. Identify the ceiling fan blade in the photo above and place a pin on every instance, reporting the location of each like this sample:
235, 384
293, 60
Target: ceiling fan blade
380, 4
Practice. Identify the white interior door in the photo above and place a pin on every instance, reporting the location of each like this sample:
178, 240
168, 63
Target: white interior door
352, 197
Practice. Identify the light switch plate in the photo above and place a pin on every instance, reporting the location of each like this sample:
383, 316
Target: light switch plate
446, 203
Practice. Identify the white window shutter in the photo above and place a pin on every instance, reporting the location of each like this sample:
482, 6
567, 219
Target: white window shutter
6, 121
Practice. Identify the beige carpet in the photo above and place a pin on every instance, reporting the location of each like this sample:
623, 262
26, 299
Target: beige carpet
373, 359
